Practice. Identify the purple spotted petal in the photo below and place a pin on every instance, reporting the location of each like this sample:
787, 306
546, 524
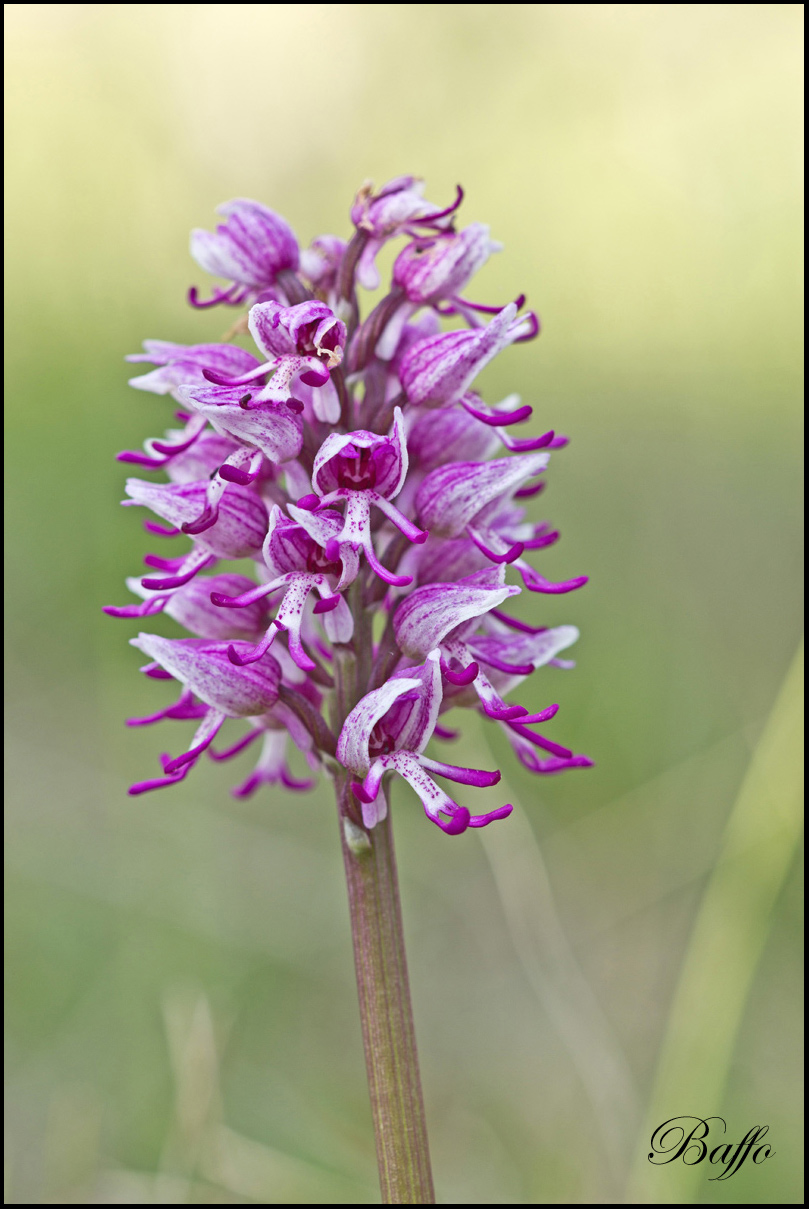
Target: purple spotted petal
204, 668
438, 370
271, 427
425, 617
241, 525
430, 269
449, 435
451, 496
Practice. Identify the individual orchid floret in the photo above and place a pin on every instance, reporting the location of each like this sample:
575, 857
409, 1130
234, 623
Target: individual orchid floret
254, 250
439, 370
303, 342
204, 670
297, 562
426, 272
464, 496
310, 329
276, 432
398, 208
237, 531
430, 270
237, 447
364, 470
388, 730
449, 616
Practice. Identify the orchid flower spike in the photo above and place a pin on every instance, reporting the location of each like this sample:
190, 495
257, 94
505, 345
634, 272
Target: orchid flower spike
351, 515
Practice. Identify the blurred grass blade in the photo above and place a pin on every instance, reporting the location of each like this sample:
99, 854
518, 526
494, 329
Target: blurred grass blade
726, 944
560, 986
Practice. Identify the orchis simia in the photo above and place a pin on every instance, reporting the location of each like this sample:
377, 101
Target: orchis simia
380, 501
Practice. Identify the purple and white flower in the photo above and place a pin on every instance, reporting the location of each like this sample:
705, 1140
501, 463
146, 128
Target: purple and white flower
254, 249
388, 731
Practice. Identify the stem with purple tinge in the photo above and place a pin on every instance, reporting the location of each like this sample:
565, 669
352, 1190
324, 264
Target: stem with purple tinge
387, 1016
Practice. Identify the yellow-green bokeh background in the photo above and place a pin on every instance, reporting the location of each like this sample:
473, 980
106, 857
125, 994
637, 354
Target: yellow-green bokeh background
181, 1011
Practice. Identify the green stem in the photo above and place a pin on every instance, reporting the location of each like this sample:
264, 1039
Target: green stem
379, 953
387, 1017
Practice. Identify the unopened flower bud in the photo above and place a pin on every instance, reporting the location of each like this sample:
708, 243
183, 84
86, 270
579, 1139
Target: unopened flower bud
429, 270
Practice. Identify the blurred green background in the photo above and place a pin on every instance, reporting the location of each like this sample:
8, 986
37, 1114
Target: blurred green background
181, 1017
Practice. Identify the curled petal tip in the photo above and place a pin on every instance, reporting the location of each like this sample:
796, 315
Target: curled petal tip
504, 713
483, 820
465, 676
457, 823
537, 583
206, 521
395, 581
544, 715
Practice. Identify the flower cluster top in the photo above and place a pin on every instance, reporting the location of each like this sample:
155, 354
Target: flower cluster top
375, 496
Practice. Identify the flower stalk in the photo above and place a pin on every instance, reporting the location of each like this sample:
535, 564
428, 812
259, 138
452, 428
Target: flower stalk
388, 1035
